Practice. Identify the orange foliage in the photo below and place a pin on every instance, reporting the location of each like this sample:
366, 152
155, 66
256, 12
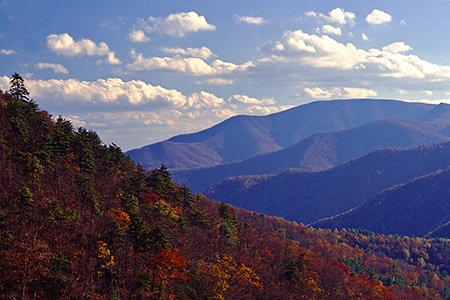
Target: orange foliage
168, 264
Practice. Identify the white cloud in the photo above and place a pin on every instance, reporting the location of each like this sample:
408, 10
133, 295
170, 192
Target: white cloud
364, 37
75, 120
320, 93
377, 17
337, 15
4, 83
218, 81
101, 91
249, 100
138, 36
298, 49
311, 14
192, 66
57, 68
317, 93
428, 93
64, 44
224, 113
112, 59
397, 47
203, 52
357, 92
264, 110
7, 52
328, 29
319, 51
249, 20
176, 25
204, 99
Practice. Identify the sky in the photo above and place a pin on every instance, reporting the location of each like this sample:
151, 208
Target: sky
138, 72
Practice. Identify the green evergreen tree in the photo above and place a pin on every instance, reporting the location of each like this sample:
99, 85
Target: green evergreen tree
17, 88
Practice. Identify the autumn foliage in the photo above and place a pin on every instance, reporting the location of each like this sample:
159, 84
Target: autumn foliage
78, 220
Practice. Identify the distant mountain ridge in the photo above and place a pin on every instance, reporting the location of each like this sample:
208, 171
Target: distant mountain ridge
307, 197
320, 151
241, 137
415, 208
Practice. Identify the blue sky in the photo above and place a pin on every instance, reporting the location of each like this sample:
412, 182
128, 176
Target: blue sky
138, 72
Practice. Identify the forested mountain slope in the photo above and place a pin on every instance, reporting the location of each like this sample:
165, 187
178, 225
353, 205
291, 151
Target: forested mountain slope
78, 220
322, 151
306, 197
242, 137
415, 208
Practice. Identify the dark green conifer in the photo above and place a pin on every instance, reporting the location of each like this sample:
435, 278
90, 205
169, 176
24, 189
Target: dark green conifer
17, 88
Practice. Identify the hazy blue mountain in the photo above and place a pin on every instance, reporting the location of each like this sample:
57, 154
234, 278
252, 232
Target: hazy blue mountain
307, 197
321, 151
414, 208
242, 137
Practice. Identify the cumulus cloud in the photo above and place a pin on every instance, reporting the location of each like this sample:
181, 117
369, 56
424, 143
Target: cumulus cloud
298, 48
328, 29
377, 17
347, 92
204, 99
264, 110
7, 52
364, 37
130, 95
318, 93
397, 47
4, 83
224, 113
249, 20
217, 81
111, 91
192, 66
138, 36
249, 100
319, 51
176, 25
337, 15
57, 68
203, 52
64, 44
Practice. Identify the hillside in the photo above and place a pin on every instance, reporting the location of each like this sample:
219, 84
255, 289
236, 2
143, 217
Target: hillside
306, 197
415, 208
78, 220
242, 137
322, 151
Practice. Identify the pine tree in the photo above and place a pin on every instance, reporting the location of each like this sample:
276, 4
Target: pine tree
17, 88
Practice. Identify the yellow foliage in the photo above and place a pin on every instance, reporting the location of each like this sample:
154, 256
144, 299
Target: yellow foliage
226, 272
102, 250
247, 275
168, 210
121, 217
104, 257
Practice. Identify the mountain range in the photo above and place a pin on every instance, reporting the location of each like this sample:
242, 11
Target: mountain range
242, 137
321, 151
419, 207
309, 196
